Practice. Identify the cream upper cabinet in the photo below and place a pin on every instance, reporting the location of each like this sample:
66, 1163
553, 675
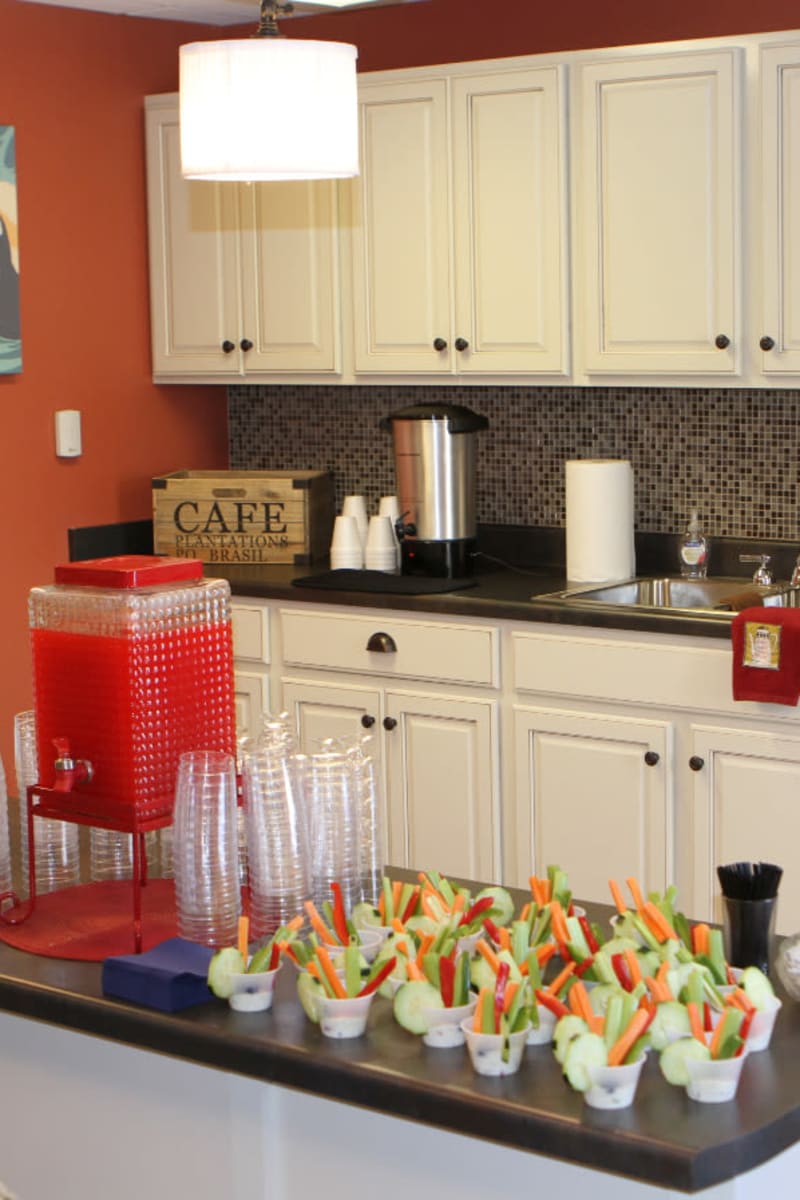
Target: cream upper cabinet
460, 232
779, 336
243, 277
658, 205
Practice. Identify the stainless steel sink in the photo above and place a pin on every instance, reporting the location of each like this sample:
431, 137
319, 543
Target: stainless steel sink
700, 597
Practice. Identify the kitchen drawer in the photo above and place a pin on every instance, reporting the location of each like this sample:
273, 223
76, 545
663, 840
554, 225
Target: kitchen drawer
250, 632
447, 653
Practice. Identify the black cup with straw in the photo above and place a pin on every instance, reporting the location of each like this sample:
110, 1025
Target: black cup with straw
749, 892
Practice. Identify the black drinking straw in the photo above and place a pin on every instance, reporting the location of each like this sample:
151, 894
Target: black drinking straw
749, 881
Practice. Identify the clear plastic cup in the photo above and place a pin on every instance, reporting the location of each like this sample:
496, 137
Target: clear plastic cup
762, 1026
5, 846
494, 1053
713, 1080
205, 848
346, 1018
613, 1087
56, 842
253, 992
368, 800
333, 813
445, 1025
542, 1034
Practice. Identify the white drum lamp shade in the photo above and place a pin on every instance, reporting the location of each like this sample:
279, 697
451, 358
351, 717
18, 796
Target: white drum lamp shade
268, 108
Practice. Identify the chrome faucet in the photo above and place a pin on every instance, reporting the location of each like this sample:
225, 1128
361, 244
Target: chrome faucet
762, 573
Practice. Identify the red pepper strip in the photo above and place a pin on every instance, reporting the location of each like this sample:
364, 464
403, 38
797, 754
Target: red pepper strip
378, 979
552, 1002
339, 915
744, 1029
492, 930
584, 966
622, 971
408, 911
591, 940
501, 980
708, 1024
275, 955
563, 952
447, 976
480, 906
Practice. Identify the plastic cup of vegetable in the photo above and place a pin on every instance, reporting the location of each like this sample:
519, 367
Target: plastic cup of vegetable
613, 1087
252, 991
494, 1053
445, 1024
713, 1080
469, 941
343, 1018
763, 1023
543, 1034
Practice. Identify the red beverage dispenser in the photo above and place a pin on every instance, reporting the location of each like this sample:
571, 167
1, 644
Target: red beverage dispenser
132, 666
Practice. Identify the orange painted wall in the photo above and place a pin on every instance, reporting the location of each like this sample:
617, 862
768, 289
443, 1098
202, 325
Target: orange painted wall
72, 83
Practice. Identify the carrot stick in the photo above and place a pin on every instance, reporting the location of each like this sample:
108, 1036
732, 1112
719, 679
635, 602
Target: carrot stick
661, 977
544, 953
511, 988
413, 971
537, 892
424, 946
561, 978
243, 933
695, 1021
636, 1026
382, 908
295, 923
505, 938
716, 1039
658, 922
617, 897
397, 889
458, 903
477, 1019
636, 892
700, 938
333, 979
558, 922
525, 911
488, 953
318, 925
397, 925
581, 995
632, 960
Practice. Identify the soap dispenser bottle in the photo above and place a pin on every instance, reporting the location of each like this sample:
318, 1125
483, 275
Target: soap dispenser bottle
693, 550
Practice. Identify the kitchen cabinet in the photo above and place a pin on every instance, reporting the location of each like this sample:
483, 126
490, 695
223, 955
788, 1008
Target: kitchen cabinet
251, 665
244, 278
779, 336
460, 229
659, 195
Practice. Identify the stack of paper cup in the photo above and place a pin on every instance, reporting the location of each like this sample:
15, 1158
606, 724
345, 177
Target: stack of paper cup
389, 506
356, 506
380, 553
346, 546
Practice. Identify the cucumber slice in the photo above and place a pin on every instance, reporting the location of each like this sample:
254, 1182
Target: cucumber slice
309, 990
670, 1022
585, 1051
672, 1059
757, 986
410, 1001
223, 966
567, 1028
365, 915
502, 909
600, 996
483, 975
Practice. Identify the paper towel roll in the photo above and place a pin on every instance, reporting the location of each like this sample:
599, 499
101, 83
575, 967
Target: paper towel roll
599, 521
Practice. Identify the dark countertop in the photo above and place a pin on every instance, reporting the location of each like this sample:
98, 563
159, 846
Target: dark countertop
664, 1138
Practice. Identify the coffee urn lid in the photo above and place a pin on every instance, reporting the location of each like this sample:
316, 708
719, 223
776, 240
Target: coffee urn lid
460, 419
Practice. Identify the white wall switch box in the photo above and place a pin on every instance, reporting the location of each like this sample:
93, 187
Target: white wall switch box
68, 433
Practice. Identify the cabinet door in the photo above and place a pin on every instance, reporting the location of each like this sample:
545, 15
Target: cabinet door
589, 800
290, 280
322, 710
252, 701
442, 789
780, 133
194, 270
509, 214
659, 196
746, 792
401, 241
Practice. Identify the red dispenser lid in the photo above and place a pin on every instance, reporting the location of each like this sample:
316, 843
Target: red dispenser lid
128, 571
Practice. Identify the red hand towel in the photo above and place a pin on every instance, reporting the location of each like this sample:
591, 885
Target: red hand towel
766, 655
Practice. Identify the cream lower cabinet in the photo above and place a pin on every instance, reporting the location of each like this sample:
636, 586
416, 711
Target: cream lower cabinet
746, 790
251, 665
593, 796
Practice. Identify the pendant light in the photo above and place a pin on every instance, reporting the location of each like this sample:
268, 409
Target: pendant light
268, 107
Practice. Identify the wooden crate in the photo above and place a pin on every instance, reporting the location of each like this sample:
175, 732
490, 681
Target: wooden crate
244, 516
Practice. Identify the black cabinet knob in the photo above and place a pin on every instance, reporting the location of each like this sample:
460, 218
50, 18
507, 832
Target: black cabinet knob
246, 344
722, 341
228, 347
382, 643
439, 344
696, 762
767, 343
367, 721
389, 723
652, 758
461, 344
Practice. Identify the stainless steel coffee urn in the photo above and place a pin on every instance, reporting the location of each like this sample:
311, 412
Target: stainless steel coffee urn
434, 456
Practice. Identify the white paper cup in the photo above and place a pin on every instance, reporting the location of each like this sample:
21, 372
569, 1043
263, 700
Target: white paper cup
713, 1080
444, 1024
613, 1087
345, 1018
347, 548
356, 507
543, 1035
253, 993
486, 1050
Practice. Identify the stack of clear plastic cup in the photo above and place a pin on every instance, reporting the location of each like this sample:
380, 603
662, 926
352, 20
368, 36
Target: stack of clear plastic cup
111, 853
277, 838
57, 846
205, 848
370, 824
5, 847
333, 813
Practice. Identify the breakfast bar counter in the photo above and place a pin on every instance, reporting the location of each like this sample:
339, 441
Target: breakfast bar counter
102, 1098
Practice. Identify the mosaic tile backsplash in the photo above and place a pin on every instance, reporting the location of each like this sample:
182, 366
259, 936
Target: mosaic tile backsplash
733, 454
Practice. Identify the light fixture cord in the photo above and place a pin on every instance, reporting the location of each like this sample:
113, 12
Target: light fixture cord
269, 11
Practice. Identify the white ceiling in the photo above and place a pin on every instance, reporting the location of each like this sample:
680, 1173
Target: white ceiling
210, 12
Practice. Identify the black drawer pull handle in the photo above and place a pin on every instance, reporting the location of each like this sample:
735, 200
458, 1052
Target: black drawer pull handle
439, 344
767, 343
652, 758
389, 723
245, 344
696, 762
367, 721
722, 341
382, 643
228, 347
461, 343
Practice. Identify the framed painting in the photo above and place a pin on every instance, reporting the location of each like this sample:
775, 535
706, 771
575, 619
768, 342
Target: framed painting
10, 344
